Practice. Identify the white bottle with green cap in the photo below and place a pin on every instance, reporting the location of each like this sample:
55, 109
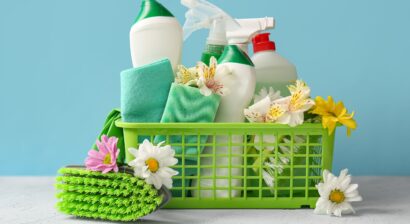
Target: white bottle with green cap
156, 34
241, 87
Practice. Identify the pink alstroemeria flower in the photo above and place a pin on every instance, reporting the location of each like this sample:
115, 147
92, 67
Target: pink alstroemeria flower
105, 159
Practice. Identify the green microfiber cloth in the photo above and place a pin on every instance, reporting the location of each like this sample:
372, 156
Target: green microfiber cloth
111, 196
144, 91
111, 130
187, 105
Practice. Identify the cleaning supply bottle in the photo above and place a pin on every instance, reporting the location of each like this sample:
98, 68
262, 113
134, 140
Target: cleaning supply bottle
241, 88
272, 70
201, 15
249, 28
241, 85
155, 35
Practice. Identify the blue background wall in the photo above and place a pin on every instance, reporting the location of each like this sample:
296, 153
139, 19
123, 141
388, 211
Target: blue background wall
60, 63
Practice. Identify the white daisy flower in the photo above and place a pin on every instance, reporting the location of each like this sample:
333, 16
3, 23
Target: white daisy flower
336, 193
152, 163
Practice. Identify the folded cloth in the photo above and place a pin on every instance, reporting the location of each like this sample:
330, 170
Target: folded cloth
111, 130
144, 91
187, 105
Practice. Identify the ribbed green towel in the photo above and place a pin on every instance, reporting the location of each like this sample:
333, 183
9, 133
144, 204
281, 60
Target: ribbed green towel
144, 91
111, 130
187, 105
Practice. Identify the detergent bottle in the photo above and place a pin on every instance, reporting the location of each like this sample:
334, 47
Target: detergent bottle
272, 70
155, 34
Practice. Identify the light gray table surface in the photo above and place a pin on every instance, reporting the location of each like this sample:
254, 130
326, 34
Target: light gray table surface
386, 200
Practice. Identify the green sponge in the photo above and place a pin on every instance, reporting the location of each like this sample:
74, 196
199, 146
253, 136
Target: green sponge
112, 196
187, 104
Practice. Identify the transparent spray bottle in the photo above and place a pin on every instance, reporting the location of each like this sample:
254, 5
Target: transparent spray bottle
204, 15
237, 34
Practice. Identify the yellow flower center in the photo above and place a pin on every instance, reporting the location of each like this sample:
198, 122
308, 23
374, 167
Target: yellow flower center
274, 112
152, 164
337, 196
107, 159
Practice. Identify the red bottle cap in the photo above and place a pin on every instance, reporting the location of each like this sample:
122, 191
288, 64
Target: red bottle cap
261, 42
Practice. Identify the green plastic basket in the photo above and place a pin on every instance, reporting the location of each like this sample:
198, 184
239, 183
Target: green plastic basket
293, 188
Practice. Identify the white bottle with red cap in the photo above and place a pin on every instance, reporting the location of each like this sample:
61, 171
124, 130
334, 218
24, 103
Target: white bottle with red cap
272, 70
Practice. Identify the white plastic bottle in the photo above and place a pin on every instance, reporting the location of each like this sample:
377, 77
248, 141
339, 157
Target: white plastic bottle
156, 34
272, 70
241, 88
241, 85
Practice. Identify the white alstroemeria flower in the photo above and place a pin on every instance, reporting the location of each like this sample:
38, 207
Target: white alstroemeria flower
264, 92
268, 178
267, 139
265, 111
296, 104
186, 76
300, 86
336, 193
271, 164
152, 163
211, 79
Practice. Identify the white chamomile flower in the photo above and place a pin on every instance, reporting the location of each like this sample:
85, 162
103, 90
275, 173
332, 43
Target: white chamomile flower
336, 193
264, 92
152, 163
296, 104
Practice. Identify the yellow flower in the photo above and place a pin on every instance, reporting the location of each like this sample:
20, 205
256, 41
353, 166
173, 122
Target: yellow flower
333, 113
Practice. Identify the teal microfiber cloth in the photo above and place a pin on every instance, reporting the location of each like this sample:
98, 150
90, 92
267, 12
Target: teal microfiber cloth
111, 196
187, 105
144, 91
111, 130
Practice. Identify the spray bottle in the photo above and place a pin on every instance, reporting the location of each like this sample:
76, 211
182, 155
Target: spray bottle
204, 15
241, 86
249, 28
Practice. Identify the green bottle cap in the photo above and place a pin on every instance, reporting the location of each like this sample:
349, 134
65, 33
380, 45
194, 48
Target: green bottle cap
232, 53
152, 8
